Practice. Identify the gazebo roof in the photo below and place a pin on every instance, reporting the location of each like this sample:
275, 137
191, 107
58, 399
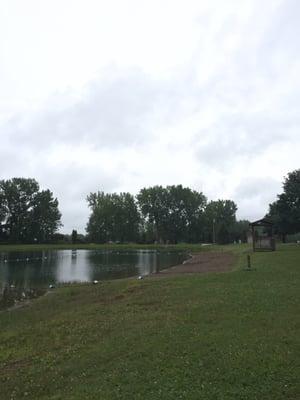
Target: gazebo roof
261, 222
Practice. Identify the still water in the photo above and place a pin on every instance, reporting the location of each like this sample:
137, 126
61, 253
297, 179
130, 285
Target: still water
26, 275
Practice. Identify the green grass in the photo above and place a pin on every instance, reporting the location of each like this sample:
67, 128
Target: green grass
220, 336
94, 246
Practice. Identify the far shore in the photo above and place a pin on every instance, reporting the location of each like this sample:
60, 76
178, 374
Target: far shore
94, 246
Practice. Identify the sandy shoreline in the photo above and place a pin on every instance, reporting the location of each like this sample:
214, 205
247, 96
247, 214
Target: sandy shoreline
204, 262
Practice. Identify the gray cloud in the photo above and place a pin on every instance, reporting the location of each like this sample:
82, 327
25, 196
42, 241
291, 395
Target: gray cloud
109, 114
241, 138
121, 108
74, 146
234, 104
256, 89
253, 195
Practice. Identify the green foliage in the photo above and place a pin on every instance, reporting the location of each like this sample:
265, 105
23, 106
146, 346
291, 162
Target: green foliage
114, 217
294, 238
45, 216
174, 213
74, 236
27, 214
153, 204
285, 212
220, 220
240, 230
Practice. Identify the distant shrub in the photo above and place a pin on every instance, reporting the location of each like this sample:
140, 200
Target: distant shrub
293, 238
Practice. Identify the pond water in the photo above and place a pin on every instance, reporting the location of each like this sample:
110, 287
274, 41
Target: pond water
26, 275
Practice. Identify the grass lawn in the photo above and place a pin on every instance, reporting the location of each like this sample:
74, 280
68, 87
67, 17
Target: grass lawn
222, 336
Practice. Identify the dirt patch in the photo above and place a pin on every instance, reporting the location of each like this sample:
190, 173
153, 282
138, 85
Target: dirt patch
127, 292
13, 366
202, 263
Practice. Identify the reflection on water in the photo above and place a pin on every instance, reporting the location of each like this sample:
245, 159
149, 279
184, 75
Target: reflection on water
26, 274
73, 268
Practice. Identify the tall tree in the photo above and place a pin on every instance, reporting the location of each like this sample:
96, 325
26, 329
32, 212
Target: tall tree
17, 196
185, 213
174, 211
220, 219
114, 217
45, 216
74, 236
27, 213
153, 205
285, 212
239, 230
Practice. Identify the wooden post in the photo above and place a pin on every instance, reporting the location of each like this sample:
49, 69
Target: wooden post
272, 239
253, 238
248, 261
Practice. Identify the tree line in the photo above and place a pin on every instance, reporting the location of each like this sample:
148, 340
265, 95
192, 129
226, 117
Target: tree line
170, 214
157, 214
285, 211
27, 214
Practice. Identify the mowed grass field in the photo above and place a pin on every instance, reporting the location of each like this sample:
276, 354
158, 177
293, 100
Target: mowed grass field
231, 335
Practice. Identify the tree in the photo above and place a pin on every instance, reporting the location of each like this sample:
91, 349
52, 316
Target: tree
28, 214
74, 236
285, 212
185, 214
219, 220
45, 216
240, 230
114, 217
175, 212
153, 205
17, 196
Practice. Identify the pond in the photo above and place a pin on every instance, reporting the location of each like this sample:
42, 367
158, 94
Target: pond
25, 275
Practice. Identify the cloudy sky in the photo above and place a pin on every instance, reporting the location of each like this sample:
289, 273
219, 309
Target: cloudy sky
121, 94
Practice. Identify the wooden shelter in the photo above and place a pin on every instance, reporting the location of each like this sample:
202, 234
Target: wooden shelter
262, 235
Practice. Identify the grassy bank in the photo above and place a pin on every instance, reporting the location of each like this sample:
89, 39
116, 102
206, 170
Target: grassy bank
94, 246
216, 336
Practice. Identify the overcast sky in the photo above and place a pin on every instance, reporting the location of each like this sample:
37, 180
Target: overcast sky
118, 95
